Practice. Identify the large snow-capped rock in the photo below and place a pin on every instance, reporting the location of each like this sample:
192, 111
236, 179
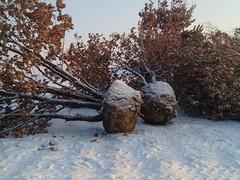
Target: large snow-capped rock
121, 108
159, 105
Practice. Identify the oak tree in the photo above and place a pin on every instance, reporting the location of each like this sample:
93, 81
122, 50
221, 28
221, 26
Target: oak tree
37, 78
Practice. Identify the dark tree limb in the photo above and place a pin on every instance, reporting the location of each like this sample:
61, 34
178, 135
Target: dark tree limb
136, 74
69, 77
96, 118
150, 72
11, 49
71, 94
55, 69
80, 77
65, 102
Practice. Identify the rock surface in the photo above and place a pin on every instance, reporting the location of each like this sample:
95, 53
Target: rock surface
121, 108
159, 105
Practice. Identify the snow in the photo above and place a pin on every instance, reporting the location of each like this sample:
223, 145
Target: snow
158, 88
120, 94
187, 149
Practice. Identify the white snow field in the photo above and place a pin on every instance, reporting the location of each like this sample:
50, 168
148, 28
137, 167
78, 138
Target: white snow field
187, 149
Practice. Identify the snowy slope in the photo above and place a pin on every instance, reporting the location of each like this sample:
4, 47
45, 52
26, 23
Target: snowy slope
188, 149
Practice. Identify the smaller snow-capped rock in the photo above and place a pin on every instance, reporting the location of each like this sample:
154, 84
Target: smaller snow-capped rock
159, 105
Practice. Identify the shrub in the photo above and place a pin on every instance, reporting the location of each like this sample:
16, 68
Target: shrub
208, 82
203, 67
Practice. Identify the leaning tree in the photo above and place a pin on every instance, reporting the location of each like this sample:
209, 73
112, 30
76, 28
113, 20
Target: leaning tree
152, 52
202, 67
37, 78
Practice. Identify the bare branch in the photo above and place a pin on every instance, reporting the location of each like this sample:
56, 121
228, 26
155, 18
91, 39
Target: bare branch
11, 49
65, 102
71, 94
147, 68
72, 79
54, 68
136, 73
80, 77
97, 118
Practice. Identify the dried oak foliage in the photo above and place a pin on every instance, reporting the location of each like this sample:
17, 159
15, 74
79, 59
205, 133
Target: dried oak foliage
91, 60
201, 65
36, 81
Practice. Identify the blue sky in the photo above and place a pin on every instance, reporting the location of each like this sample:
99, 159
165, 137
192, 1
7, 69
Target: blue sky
107, 16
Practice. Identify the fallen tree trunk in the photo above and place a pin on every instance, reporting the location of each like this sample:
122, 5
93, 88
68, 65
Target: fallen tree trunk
121, 108
159, 103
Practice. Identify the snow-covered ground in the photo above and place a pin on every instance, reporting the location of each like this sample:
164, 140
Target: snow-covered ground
187, 149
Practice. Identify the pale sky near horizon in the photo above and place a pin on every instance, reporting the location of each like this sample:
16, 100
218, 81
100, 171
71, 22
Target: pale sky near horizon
107, 16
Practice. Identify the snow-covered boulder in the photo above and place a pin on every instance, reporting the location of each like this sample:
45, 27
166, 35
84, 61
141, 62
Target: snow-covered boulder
121, 108
159, 103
